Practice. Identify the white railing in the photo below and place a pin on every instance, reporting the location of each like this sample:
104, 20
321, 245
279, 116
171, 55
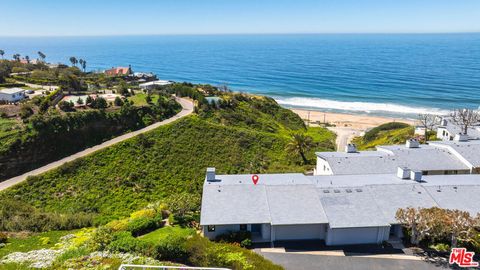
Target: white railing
145, 267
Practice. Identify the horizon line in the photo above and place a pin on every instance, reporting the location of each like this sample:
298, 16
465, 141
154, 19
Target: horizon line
246, 33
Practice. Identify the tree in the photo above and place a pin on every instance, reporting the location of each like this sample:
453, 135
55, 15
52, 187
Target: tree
27, 58
118, 101
16, 57
299, 145
465, 118
2, 53
459, 225
427, 121
99, 103
83, 64
73, 60
42, 56
26, 111
148, 99
88, 100
409, 217
80, 101
66, 106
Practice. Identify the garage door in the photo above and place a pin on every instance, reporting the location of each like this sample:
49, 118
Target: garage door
299, 232
353, 236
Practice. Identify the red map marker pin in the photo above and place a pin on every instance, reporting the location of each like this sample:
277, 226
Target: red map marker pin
255, 179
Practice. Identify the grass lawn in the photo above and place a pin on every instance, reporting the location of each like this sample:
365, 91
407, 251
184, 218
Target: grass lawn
32, 242
140, 99
162, 233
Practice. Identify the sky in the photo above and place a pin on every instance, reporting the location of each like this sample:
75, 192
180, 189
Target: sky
145, 17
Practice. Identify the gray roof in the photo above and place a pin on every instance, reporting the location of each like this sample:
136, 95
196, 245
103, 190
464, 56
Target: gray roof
465, 198
469, 150
12, 90
234, 204
346, 208
388, 158
390, 198
288, 205
351, 201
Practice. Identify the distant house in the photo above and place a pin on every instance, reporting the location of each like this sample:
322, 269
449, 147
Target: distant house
144, 76
428, 159
115, 71
12, 94
151, 85
448, 130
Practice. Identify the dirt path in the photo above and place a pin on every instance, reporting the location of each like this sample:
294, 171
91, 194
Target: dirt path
187, 108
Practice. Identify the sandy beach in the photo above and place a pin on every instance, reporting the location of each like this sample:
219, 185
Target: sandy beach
347, 126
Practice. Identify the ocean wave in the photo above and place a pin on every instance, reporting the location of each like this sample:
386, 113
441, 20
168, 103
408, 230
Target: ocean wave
367, 107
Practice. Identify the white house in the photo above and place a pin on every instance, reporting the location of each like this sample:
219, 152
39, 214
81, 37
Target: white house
335, 209
12, 94
429, 159
448, 131
151, 85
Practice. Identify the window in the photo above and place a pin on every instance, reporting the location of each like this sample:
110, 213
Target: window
211, 228
243, 227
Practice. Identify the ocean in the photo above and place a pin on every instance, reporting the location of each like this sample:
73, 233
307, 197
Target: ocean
381, 74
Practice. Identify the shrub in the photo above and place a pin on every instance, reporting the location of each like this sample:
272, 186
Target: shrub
173, 248
372, 134
3, 238
118, 101
26, 111
66, 106
440, 247
236, 237
125, 242
144, 225
102, 237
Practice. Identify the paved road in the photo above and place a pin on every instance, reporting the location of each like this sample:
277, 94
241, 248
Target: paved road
187, 106
344, 136
292, 261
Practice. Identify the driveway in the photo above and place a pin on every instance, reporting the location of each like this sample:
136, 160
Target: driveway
187, 108
293, 261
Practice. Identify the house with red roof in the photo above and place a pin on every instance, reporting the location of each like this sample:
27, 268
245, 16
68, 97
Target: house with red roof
115, 71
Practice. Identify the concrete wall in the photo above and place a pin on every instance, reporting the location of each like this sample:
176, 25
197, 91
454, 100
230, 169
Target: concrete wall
322, 168
352, 236
298, 232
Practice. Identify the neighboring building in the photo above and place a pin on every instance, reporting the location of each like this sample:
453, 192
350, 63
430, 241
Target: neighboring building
448, 130
467, 151
152, 85
116, 71
12, 94
429, 159
143, 76
213, 100
337, 209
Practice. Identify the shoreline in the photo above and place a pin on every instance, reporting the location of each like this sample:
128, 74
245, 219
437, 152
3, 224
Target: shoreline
347, 126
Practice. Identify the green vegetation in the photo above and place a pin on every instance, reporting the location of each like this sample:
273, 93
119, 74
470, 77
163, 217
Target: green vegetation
23, 242
10, 129
386, 134
162, 233
141, 99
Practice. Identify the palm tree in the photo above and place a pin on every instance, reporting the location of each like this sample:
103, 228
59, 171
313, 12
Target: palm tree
42, 56
16, 57
73, 60
84, 65
2, 52
299, 145
27, 58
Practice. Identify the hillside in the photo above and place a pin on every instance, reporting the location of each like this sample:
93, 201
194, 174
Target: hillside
386, 134
171, 160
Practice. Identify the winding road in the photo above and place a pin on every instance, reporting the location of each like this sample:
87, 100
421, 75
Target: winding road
187, 108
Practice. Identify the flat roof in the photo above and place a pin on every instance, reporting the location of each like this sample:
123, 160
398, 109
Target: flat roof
12, 90
469, 150
388, 158
454, 129
342, 201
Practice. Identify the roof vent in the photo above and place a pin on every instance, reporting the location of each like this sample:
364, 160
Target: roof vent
403, 173
461, 137
416, 175
326, 191
412, 143
211, 175
351, 148
336, 190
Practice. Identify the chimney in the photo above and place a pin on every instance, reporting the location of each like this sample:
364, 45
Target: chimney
412, 143
351, 148
461, 137
403, 172
211, 174
416, 175
444, 122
